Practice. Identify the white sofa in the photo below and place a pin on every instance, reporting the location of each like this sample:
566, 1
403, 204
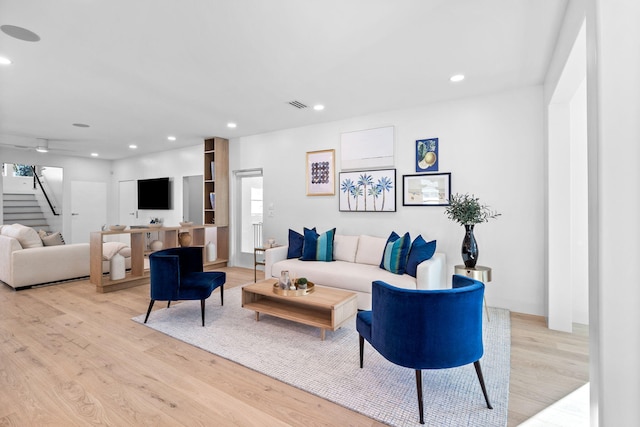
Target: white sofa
25, 261
356, 265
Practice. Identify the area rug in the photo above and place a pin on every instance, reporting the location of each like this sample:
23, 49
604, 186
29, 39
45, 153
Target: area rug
331, 369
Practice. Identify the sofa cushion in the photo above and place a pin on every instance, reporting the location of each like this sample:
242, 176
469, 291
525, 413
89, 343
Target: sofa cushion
345, 248
296, 241
318, 247
370, 250
420, 251
27, 236
395, 254
51, 239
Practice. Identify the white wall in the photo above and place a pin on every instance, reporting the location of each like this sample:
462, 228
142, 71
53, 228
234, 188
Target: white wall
176, 164
492, 145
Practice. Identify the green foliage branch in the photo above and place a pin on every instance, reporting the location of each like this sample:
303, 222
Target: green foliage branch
466, 209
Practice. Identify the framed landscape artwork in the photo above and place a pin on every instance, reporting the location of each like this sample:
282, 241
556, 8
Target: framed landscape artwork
321, 173
368, 191
432, 189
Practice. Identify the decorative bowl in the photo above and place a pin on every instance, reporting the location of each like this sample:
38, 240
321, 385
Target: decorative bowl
186, 223
117, 227
293, 293
155, 225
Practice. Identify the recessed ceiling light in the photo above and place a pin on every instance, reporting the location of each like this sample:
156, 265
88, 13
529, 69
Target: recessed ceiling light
80, 125
42, 149
457, 78
318, 107
133, 146
20, 33
4, 61
94, 154
232, 125
171, 138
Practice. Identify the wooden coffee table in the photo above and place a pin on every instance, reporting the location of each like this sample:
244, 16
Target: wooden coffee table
325, 308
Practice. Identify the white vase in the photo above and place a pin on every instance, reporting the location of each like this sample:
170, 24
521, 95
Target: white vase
212, 252
116, 267
156, 245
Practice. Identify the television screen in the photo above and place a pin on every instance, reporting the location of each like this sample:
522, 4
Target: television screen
154, 193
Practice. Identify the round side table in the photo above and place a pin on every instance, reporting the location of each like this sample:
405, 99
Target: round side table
480, 273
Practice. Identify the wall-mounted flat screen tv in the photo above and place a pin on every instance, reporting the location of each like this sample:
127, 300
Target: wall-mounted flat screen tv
154, 193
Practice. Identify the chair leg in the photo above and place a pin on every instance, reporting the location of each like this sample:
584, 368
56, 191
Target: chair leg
149, 310
476, 364
168, 303
361, 339
222, 294
419, 387
202, 307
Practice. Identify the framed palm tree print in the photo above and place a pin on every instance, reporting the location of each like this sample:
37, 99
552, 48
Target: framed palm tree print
368, 191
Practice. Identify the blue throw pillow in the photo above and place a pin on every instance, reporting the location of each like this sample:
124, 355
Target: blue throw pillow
420, 251
318, 247
395, 253
296, 240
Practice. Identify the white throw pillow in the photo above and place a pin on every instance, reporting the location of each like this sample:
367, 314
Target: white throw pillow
345, 247
51, 239
27, 236
370, 250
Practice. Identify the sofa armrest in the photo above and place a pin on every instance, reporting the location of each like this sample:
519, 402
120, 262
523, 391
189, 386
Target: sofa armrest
7, 246
273, 255
430, 274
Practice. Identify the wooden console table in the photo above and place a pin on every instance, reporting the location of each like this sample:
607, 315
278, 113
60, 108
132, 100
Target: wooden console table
139, 275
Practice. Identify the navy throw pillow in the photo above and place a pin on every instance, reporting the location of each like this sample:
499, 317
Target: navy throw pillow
420, 251
296, 241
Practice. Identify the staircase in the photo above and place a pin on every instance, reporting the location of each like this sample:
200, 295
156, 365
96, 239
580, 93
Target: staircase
23, 209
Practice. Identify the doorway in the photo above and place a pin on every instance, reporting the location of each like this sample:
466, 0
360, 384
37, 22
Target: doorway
247, 227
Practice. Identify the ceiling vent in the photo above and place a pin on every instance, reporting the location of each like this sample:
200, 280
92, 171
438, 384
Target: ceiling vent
297, 104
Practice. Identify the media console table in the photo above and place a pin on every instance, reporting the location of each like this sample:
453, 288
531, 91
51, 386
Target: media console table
139, 275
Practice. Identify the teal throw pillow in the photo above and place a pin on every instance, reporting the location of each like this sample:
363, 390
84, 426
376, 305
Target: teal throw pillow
318, 247
395, 253
420, 251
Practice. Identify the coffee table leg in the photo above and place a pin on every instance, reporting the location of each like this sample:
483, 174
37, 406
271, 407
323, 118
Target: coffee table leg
322, 331
257, 316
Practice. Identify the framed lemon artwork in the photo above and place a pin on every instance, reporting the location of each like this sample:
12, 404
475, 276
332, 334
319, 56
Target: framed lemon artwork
427, 155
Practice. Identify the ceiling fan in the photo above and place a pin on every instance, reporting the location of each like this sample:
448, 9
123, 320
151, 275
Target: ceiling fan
41, 146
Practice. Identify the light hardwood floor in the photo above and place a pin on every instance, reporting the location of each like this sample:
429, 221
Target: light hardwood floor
70, 356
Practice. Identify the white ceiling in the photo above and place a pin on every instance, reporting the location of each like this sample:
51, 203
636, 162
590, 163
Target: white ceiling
137, 71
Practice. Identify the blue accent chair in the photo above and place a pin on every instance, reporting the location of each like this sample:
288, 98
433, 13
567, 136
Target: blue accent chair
177, 274
426, 329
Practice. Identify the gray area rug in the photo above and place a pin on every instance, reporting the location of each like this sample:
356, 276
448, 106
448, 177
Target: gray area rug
382, 390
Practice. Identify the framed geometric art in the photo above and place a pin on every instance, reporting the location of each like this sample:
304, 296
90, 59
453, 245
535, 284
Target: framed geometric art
368, 191
433, 189
321, 173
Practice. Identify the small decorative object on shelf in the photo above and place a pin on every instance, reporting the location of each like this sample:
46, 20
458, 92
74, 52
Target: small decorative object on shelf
213, 171
212, 199
155, 222
468, 211
212, 252
186, 223
184, 239
156, 245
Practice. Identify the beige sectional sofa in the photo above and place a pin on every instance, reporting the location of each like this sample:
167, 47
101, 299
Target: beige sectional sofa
356, 265
26, 261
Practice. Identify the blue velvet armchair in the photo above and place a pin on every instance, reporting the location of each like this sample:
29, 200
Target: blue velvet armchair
426, 329
177, 274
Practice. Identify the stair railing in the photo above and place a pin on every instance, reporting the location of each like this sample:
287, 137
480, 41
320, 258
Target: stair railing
37, 183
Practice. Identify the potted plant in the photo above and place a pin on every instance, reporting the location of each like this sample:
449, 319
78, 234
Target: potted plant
467, 210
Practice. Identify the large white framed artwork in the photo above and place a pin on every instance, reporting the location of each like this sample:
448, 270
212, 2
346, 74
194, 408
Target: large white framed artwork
367, 149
